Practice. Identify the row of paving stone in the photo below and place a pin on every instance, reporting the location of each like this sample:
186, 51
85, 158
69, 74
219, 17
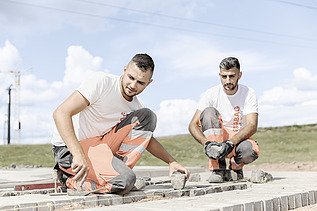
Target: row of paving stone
283, 203
151, 192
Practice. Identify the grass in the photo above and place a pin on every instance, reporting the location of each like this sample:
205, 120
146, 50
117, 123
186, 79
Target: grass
278, 144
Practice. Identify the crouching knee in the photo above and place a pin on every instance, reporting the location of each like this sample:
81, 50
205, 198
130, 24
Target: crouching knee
123, 183
245, 153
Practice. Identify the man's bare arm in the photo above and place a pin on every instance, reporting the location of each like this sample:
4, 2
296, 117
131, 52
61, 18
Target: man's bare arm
64, 124
195, 129
156, 149
246, 132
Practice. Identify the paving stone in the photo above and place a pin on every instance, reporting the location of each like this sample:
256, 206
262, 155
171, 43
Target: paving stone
276, 204
259, 176
248, 206
298, 200
238, 207
197, 192
178, 180
133, 196
194, 178
291, 202
45, 206
62, 204
258, 206
311, 197
268, 204
91, 201
28, 206
10, 207
304, 198
284, 203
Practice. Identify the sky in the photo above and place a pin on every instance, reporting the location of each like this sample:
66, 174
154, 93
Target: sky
53, 45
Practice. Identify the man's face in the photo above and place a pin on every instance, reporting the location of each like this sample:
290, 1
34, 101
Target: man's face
229, 79
134, 81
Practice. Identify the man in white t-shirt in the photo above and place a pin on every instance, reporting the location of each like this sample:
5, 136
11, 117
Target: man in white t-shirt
114, 130
225, 120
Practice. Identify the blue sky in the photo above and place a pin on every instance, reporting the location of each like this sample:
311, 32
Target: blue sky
56, 44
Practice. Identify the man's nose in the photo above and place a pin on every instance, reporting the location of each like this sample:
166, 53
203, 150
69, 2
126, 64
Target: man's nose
133, 84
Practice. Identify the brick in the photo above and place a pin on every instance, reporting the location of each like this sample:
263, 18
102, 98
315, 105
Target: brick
228, 187
62, 204
258, 206
10, 207
133, 197
268, 204
304, 197
311, 198
45, 206
284, 203
91, 201
291, 202
197, 192
298, 200
105, 200
248, 206
276, 204
28, 206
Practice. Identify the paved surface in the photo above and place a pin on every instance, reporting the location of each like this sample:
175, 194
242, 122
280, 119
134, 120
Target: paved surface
288, 190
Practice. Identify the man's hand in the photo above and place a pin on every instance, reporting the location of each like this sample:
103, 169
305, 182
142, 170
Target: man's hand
218, 151
80, 167
174, 166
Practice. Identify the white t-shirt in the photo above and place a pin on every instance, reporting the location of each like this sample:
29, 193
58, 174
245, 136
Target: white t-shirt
107, 106
232, 108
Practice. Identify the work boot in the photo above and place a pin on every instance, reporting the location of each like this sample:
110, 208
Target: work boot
216, 176
62, 177
239, 174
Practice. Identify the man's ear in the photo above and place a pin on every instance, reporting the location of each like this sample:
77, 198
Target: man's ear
240, 75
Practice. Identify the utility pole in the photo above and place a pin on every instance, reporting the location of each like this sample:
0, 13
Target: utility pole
9, 115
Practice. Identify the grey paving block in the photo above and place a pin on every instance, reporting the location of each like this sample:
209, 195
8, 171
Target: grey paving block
258, 206
45, 206
228, 187
291, 202
311, 197
133, 196
110, 199
284, 203
238, 207
304, 198
276, 204
268, 204
197, 192
28, 206
10, 208
62, 204
298, 200
248, 206
91, 201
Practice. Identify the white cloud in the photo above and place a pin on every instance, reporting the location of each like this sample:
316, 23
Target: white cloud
196, 57
174, 116
79, 65
294, 102
38, 97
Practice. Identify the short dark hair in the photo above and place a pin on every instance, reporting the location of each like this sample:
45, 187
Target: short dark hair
229, 62
144, 62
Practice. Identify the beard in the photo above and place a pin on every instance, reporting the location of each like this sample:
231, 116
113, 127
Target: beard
229, 86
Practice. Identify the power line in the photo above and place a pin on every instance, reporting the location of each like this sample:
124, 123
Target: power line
195, 21
295, 4
153, 25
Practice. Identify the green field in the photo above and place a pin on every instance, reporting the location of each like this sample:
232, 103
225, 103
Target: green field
278, 144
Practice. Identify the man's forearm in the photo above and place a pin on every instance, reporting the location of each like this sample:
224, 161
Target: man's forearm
197, 134
156, 149
243, 134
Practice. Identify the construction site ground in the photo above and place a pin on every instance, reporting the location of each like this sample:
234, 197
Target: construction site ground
296, 189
